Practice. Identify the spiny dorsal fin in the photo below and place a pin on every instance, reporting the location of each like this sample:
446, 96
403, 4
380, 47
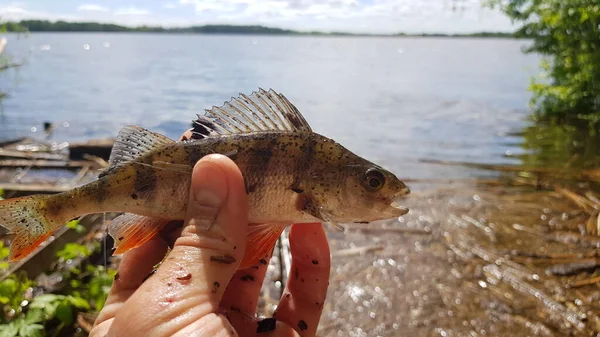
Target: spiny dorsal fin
133, 141
262, 111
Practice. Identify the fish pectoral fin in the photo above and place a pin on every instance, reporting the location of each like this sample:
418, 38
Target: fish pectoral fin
134, 141
261, 111
163, 165
296, 188
307, 204
131, 230
260, 242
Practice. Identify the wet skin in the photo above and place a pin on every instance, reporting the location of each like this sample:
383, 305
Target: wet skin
197, 290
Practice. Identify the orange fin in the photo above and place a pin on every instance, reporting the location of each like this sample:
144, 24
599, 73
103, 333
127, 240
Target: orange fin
27, 222
260, 242
130, 231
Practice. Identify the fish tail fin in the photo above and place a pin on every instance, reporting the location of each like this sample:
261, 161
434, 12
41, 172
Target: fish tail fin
25, 219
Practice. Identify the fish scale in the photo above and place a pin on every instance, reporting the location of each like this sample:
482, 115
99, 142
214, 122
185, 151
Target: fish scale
292, 175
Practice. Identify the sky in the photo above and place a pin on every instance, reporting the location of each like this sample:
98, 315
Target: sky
359, 16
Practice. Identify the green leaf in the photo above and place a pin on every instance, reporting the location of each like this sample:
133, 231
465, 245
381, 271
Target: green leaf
75, 225
74, 250
75, 283
64, 312
78, 302
47, 302
45, 299
34, 316
72, 224
8, 287
31, 330
100, 301
10, 330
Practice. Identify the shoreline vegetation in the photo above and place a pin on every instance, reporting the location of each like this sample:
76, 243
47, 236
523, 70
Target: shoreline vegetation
64, 26
566, 35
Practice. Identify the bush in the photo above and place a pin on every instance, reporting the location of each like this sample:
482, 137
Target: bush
567, 34
29, 310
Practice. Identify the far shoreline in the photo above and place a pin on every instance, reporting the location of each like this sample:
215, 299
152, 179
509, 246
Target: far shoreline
458, 37
42, 26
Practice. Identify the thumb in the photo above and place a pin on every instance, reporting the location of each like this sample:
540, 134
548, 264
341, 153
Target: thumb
213, 239
185, 292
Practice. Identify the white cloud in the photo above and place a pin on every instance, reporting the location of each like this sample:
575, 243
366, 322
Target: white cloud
276, 9
134, 11
11, 9
91, 8
331, 9
17, 11
376, 16
373, 16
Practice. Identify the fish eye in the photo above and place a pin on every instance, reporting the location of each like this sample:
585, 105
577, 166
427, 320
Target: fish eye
374, 179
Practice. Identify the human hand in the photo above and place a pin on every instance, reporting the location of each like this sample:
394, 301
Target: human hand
197, 290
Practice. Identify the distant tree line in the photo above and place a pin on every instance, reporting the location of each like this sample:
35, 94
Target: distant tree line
64, 26
478, 34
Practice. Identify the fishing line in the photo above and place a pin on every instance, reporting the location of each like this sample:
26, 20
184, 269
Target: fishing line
179, 168
188, 170
105, 228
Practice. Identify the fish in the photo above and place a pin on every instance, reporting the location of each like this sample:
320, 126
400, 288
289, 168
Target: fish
292, 175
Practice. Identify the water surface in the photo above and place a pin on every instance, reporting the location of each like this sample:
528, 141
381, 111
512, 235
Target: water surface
393, 100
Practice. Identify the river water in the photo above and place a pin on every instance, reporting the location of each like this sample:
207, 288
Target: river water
396, 101
392, 100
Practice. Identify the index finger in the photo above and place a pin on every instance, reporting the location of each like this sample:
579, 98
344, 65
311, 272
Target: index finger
133, 269
302, 301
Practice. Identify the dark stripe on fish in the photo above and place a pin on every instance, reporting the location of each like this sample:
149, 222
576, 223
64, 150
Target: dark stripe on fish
259, 160
193, 153
307, 153
250, 188
102, 190
145, 179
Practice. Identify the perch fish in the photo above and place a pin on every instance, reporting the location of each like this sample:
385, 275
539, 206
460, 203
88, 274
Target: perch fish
292, 175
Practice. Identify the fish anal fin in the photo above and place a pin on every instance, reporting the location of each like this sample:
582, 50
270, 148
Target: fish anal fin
261, 111
260, 242
134, 141
130, 231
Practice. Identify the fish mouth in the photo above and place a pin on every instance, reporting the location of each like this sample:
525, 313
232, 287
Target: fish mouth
397, 201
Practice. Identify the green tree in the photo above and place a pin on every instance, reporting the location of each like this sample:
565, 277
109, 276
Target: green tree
567, 34
5, 62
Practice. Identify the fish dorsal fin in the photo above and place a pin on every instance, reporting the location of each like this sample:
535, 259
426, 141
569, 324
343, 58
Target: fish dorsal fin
262, 111
134, 141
